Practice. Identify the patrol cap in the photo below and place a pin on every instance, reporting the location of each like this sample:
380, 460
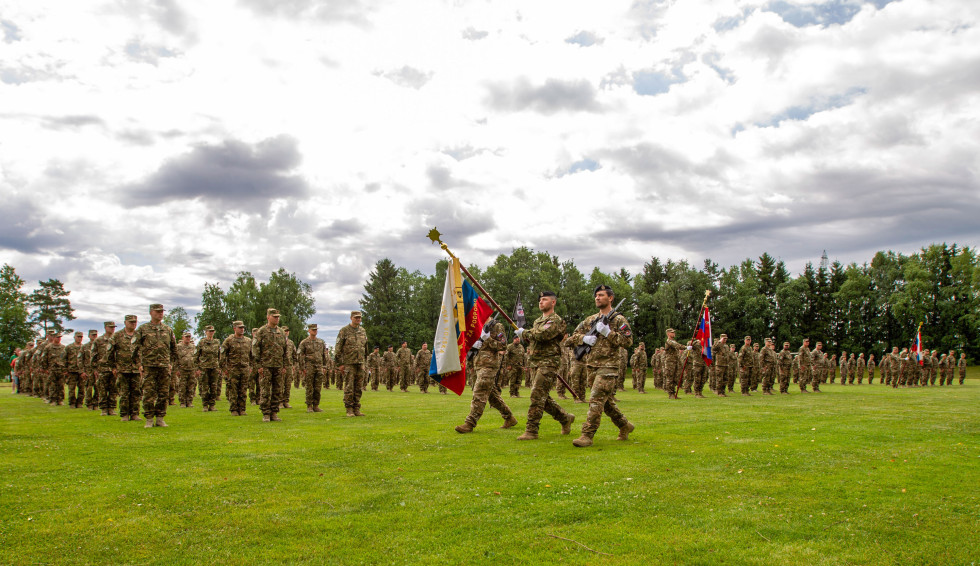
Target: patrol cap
80, 333
748, 338
723, 336
187, 333
547, 294
669, 330
355, 313
209, 327
755, 345
108, 324
311, 327
819, 343
785, 343
156, 307
93, 331
52, 332
130, 317
603, 287
238, 324
271, 312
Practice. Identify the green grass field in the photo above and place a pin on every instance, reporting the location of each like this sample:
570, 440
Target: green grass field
856, 475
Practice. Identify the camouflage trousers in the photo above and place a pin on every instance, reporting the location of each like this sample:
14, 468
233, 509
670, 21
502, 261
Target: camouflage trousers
806, 377
541, 401
768, 377
353, 385
253, 387
485, 391
188, 384
621, 379
639, 377
699, 375
238, 379
375, 378
404, 372
843, 376
107, 390
512, 378
604, 383
783, 379
56, 386
871, 377
91, 391
754, 376
270, 389
156, 389
422, 378
962, 377
388, 377
128, 386
715, 373
313, 382
744, 378
174, 387
296, 377
210, 386
287, 382
577, 378
731, 377
658, 378
671, 377
76, 389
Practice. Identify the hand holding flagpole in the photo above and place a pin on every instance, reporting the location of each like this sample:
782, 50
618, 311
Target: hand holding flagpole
688, 354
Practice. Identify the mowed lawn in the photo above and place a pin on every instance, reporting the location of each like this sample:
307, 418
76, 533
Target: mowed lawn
855, 475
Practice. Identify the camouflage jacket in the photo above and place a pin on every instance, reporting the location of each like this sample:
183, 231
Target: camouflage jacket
291, 353
185, 356
312, 353
207, 353
746, 358
784, 359
769, 360
235, 352
374, 361
861, 366
54, 358
514, 356
100, 353
269, 347
404, 356
843, 366
423, 358
639, 360
122, 354
85, 357
605, 352
806, 359
672, 355
544, 341
696, 360
154, 345
488, 356
72, 355
351, 345
720, 352
388, 360
819, 357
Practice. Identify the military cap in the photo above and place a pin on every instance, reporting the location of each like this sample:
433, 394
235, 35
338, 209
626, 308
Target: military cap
209, 327
52, 332
768, 340
129, 317
547, 294
156, 307
93, 331
755, 344
603, 287
187, 333
311, 327
669, 330
79, 333
108, 324
723, 336
271, 312
355, 313
785, 343
238, 324
819, 343
748, 338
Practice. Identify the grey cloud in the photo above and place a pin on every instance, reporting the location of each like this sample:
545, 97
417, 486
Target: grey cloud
474, 34
29, 229
553, 96
146, 53
72, 121
648, 15
166, 13
340, 229
458, 217
658, 171
442, 178
407, 77
619, 77
136, 137
11, 32
234, 174
326, 11
584, 39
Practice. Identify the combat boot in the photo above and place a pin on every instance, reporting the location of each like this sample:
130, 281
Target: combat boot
266, 418
234, 413
358, 413
204, 410
350, 412
309, 408
464, 428
567, 426
161, 422
104, 413
528, 436
112, 413
135, 418
509, 422
275, 418
211, 408
125, 418
317, 409
582, 441
286, 405
699, 395
149, 422
624, 432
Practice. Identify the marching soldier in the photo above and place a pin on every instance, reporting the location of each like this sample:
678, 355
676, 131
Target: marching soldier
422, 360
487, 363
514, 366
404, 360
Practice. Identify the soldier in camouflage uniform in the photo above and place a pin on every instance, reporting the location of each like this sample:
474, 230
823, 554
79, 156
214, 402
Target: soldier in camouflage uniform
563, 370
672, 364
26, 386
423, 358
289, 370
514, 366
269, 352
313, 362
388, 363
234, 358
528, 371
155, 347
860, 368
657, 363
374, 368
39, 374
89, 374
871, 369
961, 368
544, 350
805, 358
487, 363
603, 363
104, 370
404, 363
784, 363
206, 357
818, 359
851, 369
624, 361
699, 369
351, 346
756, 367
746, 359
716, 373
253, 385
127, 370
768, 367
186, 368
843, 367
575, 374
56, 368
638, 367
76, 383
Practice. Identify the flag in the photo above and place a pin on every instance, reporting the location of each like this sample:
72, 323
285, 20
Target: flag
703, 334
519, 317
460, 323
918, 346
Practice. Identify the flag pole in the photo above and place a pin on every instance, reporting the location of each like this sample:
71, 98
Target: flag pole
435, 236
688, 356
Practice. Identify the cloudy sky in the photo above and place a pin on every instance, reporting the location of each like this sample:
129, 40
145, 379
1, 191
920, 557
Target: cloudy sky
149, 146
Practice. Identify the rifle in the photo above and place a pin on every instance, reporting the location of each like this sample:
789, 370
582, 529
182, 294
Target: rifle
487, 326
583, 349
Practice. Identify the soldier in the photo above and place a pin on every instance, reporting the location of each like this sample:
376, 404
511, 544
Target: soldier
186, 369
756, 367
55, 367
937, 364
269, 353
351, 344
487, 363
894, 367
514, 366
528, 371
672, 364
544, 350
805, 358
74, 363
624, 360
423, 358
374, 368
563, 370
871, 369
602, 363
24, 367
719, 367
253, 385
745, 362
851, 369
388, 363
105, 371
290, 369
234, 358
313, 362
961, 366
89, 375
784, 363
843, 367
768, 367
657, 365
819, 360
862, 367
127, 371
155, 347
404, 362
206, 357
699, 369
638, 367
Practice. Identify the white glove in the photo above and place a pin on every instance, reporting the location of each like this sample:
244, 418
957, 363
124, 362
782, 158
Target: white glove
602, 328
478, 344
590, 340
689, 347
518, 332
485, 335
